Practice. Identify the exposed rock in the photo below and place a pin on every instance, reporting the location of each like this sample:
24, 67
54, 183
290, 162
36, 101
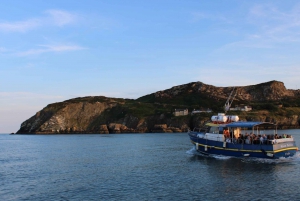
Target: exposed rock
66, 117
272, 90
160, 126
118, 128
175, 130
103, 129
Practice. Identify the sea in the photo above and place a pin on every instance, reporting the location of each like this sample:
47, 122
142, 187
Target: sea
137, 167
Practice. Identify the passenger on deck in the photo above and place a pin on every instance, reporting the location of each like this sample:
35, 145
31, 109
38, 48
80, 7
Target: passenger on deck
246, 137
265, 138
248, 140
256, 139
234, 140
226, 133
240, 139
261, 139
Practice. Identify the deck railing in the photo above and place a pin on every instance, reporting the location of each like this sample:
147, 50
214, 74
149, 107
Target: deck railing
246, 140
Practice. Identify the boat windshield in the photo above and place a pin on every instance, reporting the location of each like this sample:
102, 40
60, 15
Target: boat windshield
201, 130
214, 130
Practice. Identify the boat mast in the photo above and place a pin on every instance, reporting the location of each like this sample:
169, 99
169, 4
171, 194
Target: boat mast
230, 100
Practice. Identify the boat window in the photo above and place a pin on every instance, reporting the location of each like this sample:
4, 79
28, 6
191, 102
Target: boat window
214, 130
203, 130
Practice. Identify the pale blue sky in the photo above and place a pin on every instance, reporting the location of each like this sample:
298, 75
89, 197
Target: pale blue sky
55, 50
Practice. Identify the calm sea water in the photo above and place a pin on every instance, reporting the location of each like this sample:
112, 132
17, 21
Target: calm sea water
137, 167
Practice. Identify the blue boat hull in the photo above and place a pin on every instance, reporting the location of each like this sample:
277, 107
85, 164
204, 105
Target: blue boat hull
244, 150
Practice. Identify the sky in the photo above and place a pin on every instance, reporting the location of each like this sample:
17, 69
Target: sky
51, 51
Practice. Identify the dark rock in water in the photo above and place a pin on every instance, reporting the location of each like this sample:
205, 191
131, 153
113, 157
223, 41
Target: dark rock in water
154, 112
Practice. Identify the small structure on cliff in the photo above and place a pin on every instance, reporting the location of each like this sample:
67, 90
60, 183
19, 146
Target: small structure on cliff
245, 108
201, 111
181, 112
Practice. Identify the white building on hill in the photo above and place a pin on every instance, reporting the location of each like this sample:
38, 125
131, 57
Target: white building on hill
244, 108
201, 111
181, 112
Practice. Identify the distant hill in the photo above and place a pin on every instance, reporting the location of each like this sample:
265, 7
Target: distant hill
270, 101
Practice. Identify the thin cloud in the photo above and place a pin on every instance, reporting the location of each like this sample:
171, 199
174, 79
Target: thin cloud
21, 26
275, 24
61, 18
271, 27
52, 18
50, 48
248, 43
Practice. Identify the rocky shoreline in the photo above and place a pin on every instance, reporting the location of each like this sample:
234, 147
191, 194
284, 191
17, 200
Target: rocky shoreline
182, 127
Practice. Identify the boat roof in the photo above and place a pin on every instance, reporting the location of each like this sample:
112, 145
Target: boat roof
243, 124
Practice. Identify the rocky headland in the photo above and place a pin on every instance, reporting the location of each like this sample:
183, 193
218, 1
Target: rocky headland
271, 101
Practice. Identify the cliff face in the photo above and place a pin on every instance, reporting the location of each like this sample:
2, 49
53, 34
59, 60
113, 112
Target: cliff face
67, 117
153, 113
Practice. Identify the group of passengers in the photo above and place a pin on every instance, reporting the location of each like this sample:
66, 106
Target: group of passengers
254, 139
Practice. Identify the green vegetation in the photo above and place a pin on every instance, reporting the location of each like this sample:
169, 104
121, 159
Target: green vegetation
149, 106
292, 102
270, 106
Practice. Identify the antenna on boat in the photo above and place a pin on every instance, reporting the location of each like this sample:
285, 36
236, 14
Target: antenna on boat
230, 100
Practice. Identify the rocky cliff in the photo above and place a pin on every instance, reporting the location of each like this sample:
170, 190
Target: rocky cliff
153, 112
272, 90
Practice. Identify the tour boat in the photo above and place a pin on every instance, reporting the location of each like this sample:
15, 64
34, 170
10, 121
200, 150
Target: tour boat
228, 136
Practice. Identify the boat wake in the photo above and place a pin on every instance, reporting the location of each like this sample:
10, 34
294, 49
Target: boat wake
194, 152
220, 157
295, 158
